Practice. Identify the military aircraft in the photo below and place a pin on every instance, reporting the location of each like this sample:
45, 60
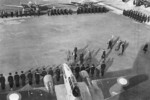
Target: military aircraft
101, 89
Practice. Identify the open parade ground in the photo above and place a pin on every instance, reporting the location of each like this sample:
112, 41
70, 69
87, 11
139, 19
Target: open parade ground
40, 41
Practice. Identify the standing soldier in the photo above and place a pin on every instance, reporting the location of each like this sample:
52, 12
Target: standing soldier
37, 77
16, 78
30, 77
57, 73
82, 67
123, 47
103, 57
92, 70
2, 82
81, 58
23, 78
44, 72
11, 81
110, 43
103, 66
145, 49
77, 70
51, 72
88, 68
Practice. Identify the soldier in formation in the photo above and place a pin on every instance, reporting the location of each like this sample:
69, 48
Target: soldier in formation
11, 81
37, 77
23, 78
16, 79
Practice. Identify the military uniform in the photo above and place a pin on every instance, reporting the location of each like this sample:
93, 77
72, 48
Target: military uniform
103, 57
30, 78
2, 82
23, 78
77, 70
92, 69
145, 49
37, 77
44, 72
16, 78
123, 47
103, 66
57, 74
51, 72
11, 81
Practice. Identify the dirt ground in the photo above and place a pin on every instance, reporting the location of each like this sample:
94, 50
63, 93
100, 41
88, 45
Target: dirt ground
38, 41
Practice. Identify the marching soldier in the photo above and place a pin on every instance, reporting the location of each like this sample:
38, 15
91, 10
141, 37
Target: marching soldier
118, 45
30, 77
23, 78
44, 72
145, 49
37, 77
57, 73
10, 81
92, 70
77, 70
103, 66
51, 72
16, 78
110, 43
2, 82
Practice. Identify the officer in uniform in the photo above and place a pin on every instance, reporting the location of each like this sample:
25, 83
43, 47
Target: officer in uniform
23, 78
82, 67
44, 72
77, 70
81, 58
123, 47
37, 77
92, 70
145, 49
57, 73
2, 82
103, 57
51, 72
103, 66
16, 78
30, 77
10, 81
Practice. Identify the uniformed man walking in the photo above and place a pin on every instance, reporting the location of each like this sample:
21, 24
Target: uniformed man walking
118, 45
2, 82
123, 47
16, 78
30, 77
23, 78
103, 66
37, 77
10, 81
103, 57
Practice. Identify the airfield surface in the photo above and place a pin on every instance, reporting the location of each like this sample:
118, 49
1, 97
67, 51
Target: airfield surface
38, 41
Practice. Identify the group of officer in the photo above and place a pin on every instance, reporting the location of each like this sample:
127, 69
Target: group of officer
52, 12
95, 9
18, 13
136, 15
30, 77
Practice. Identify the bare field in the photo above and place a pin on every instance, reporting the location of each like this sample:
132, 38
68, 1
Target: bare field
37, 41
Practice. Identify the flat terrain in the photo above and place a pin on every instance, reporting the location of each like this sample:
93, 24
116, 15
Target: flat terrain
37, 41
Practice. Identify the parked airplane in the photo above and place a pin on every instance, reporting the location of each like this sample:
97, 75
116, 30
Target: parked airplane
101, 89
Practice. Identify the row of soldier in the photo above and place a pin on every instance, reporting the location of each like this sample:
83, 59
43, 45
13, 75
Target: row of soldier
136, 15
22, 79
20, 13
91, 10
59, 12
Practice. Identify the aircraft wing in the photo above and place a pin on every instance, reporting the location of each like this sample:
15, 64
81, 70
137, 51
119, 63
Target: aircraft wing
114, 86
14, 6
